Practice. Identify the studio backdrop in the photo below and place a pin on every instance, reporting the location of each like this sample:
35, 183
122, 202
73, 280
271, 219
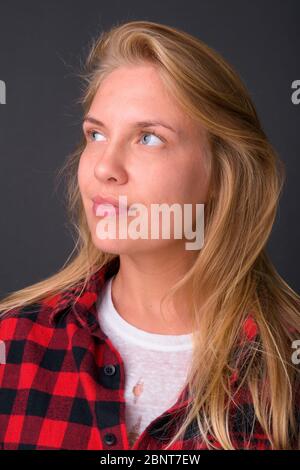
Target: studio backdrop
42, 44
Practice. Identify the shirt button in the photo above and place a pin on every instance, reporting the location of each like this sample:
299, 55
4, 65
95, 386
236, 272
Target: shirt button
109, 369
110, 439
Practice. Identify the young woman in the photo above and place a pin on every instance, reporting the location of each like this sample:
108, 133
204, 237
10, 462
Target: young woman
89, 359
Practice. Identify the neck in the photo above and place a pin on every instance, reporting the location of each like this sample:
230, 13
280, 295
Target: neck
140, 285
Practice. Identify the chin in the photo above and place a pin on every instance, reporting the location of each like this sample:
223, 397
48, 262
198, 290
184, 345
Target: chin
114, 246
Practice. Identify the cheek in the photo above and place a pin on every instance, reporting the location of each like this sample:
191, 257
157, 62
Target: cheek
82, 172
185, 183
198, 186
196, 179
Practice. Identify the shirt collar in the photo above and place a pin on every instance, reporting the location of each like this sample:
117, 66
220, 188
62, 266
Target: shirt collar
81, 300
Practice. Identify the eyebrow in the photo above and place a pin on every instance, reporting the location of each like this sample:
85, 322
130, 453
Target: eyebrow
137, 124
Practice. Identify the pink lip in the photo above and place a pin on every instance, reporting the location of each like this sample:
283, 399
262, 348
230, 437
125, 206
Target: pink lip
109, 210
109, 206
105, 200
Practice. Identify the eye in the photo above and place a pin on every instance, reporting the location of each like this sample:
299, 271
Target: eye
91, 133
153, 134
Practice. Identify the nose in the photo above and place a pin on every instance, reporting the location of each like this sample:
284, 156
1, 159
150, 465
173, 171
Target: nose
110, 167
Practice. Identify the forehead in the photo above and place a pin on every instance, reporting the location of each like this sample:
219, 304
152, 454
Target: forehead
134, 81
136, 93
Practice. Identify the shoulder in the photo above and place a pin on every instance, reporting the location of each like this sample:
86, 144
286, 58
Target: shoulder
15, 331
21, 315
26, 324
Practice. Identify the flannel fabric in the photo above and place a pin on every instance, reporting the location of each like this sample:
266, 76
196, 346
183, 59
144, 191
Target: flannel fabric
62, 382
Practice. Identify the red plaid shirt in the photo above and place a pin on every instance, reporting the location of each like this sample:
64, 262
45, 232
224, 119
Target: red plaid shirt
62, 386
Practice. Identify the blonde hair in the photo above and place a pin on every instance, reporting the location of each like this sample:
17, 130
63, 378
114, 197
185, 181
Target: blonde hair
232, 275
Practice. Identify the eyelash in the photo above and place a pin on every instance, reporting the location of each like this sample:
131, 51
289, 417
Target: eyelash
91, 131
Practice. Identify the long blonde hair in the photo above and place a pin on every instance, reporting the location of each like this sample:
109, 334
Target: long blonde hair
232, 275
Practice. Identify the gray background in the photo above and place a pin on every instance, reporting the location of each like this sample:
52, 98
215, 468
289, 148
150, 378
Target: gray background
41, 44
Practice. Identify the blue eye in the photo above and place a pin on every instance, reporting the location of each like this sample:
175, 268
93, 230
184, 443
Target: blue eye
153, 133
91, 133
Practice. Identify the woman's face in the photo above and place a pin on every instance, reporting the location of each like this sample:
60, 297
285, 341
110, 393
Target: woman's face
162, 163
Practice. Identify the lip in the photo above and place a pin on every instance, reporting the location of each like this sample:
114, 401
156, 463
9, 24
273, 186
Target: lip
109, 206
105, 200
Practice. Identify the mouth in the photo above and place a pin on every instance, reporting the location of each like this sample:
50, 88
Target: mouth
108, 210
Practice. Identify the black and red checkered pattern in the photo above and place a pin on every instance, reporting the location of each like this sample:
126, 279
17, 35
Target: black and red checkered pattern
62, 385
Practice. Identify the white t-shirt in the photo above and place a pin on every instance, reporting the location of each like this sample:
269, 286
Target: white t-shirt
156, 365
